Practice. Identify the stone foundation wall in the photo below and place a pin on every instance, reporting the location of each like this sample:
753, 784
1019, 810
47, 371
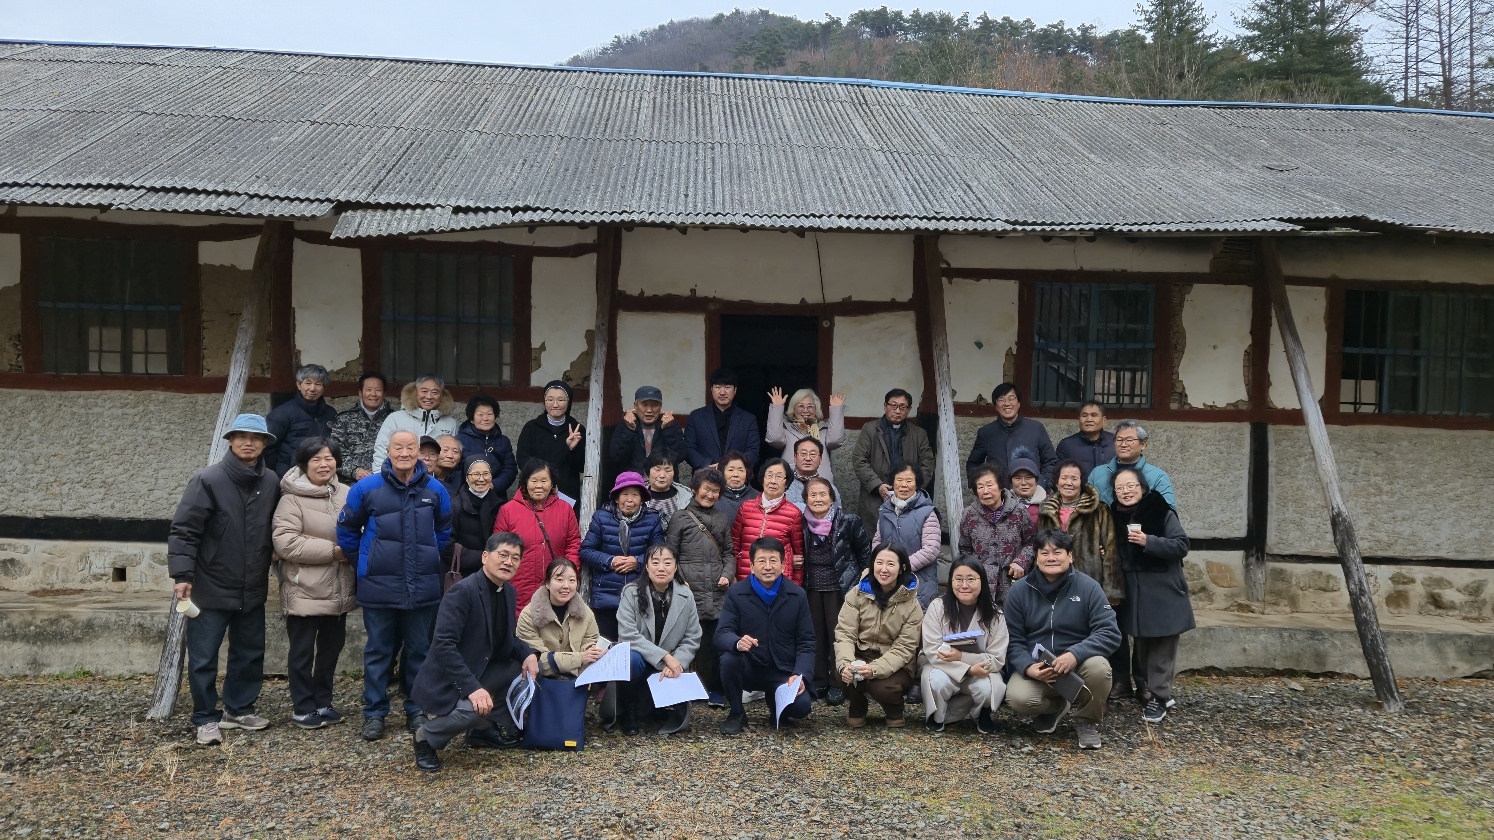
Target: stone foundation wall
30, 565
1216, 581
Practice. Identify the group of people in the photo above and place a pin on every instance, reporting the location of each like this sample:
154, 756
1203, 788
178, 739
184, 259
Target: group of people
1068, 563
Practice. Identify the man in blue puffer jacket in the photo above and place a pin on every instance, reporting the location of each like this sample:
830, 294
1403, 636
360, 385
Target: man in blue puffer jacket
396, 523
613, 548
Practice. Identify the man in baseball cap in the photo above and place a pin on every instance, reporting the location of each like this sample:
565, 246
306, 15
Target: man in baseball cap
645, 428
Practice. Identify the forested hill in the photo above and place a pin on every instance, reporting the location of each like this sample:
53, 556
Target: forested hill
1287, 50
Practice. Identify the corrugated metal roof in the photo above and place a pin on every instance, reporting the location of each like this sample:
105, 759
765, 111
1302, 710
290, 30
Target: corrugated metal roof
406, 146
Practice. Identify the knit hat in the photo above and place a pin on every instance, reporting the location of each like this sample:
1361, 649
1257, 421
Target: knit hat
626, 480
1022, 460
252, 423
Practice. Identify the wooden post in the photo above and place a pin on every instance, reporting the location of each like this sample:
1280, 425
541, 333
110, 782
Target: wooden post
271, 240
1371, 640
601, 341
1255, 512
949, 442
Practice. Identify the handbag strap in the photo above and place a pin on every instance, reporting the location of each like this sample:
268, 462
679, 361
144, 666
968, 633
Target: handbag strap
456, 557
543, 533
720, 549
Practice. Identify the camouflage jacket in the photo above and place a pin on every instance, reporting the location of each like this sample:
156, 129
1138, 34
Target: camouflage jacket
355, 432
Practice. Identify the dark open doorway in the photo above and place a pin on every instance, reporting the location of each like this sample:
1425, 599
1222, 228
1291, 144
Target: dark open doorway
768, 351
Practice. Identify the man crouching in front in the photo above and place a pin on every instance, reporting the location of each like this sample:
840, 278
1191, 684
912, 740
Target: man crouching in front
474, 656
765, 638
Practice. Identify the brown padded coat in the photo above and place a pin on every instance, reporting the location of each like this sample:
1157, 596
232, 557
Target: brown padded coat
304, 534
1093, 531
895, 631
568, 639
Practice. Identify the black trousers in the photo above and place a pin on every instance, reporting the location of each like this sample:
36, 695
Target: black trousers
739, 673
311, 664
707, 661
246, 661
606, 622
824, 612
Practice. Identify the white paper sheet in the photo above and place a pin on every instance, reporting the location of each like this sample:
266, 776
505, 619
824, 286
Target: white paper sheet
614, 666
681, 689
783, 697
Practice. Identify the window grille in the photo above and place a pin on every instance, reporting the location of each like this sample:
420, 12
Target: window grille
451, 314
1408, 352
1093, 342
110, 306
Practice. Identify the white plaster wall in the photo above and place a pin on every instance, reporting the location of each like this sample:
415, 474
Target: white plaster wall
981, 317
1217, 322
663, 349
873, 354
1376, 258
563, 312
866, 266
765, 266
1309, 307
10, 259
234, 253
1413, 493
327, 293
1104, 254
549, 237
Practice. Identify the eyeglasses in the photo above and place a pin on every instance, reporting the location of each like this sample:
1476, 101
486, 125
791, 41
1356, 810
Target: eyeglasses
1127, 440
897, 406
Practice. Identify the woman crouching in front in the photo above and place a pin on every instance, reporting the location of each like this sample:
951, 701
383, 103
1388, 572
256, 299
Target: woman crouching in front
876, 638
657, 616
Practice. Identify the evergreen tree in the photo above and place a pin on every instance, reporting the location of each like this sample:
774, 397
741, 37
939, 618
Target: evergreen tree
1307, 50
1177, 59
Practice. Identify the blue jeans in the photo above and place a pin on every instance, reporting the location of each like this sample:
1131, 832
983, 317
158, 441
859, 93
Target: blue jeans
246, 661
387, 628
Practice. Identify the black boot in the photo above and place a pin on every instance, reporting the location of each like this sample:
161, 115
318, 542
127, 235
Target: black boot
425, 755
627, 708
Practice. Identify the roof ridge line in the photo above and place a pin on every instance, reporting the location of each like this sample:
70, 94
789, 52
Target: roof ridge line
870, 83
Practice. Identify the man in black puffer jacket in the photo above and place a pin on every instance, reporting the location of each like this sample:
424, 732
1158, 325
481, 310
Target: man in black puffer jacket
299, 419
1066, 612
218, 552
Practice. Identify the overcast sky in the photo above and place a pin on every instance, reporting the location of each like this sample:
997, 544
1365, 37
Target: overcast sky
529, 32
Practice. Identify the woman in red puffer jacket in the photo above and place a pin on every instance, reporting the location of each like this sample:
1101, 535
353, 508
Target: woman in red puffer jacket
545, 522
771, 515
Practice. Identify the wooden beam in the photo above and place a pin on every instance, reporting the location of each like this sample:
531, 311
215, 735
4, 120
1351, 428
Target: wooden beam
1365, 620
949, 441
601, 342
272, 242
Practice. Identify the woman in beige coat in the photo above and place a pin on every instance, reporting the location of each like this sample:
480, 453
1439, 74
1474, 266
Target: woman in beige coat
558, 625
316, 580
962, 677
877, 635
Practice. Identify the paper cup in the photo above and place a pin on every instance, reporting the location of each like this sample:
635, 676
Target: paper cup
602, 643
856, 675
187, 608
945, 648
1134, 528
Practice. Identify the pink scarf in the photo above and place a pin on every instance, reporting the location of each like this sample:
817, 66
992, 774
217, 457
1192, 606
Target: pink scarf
817, 526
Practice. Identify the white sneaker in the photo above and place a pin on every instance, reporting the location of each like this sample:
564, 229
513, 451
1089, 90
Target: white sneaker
209, 734
752, 697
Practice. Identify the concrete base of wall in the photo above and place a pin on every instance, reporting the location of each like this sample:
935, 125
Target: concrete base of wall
121, 634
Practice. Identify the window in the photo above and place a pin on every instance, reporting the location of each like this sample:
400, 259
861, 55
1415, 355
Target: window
1092, 342
1418, 353
451, 314
110, 306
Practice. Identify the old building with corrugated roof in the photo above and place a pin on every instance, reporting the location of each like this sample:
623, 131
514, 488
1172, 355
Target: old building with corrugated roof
844, 235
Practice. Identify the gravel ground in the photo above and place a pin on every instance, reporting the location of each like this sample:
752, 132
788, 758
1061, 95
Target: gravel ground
1239, 757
